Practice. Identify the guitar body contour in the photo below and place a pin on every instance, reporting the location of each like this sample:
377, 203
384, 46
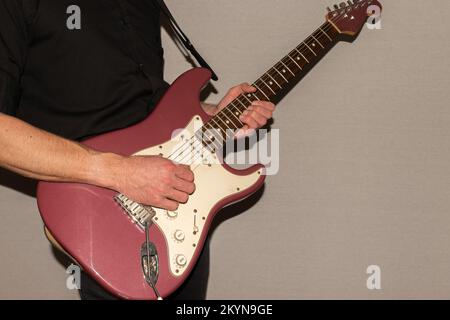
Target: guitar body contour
95, 231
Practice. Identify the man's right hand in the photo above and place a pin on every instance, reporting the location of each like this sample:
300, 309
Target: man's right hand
41, 155
155, 181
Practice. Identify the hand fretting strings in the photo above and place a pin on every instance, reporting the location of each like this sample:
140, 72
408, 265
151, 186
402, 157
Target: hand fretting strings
233, 112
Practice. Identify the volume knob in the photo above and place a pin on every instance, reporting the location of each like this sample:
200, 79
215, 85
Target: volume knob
180, 260
179, 235
172, 214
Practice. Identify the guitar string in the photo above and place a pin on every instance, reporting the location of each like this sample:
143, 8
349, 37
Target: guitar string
304, 44
198, 150
265, 77
228, 108
219, 116
223, 112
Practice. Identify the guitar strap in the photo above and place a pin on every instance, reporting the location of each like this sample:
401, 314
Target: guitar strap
184, 39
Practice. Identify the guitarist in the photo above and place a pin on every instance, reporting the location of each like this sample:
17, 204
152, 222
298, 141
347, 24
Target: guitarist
73, 69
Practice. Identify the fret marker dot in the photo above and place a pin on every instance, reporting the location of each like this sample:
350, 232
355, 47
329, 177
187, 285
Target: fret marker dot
284, 71
313, 44
298, 58
270, 82
227, 122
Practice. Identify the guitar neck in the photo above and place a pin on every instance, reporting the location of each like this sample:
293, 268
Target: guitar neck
295, 64
269, 86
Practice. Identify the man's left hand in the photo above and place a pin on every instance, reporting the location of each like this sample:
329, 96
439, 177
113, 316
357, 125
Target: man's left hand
256, 115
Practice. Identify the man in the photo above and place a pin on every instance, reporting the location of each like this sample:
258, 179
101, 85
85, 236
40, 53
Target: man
73, 69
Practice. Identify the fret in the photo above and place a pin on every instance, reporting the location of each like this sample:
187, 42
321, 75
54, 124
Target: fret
237, 113
302, 55
326, 34
309, 48
219, 127
281, 75
236, 116
318, 41
245, 107
245, 96
295, 62
256, 97
273, 79
210, 139
256, 86
269, 85
226, 122
287, 68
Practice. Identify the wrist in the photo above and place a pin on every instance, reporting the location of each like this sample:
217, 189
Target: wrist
105, 169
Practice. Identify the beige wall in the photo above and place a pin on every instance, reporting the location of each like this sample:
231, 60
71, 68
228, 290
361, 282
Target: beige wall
365, 156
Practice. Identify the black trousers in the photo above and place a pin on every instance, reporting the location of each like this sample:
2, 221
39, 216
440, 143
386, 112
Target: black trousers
194, 288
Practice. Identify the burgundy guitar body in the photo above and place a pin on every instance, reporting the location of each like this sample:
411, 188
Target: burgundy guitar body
93, 229
105, 232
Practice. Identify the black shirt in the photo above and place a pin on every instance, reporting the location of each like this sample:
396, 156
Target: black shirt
80, 67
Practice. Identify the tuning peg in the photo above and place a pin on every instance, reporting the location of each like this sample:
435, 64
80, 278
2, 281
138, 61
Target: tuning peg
342, 4
336, 7
350, 3
329, 9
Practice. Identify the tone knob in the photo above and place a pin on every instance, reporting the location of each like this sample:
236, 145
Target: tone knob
172, 214
180, 260
179, 235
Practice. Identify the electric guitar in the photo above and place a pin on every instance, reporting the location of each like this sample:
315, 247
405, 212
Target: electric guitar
140, 252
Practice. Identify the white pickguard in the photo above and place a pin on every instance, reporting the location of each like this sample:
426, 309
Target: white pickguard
183, 228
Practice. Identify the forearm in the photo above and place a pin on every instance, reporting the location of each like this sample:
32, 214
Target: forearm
37, 154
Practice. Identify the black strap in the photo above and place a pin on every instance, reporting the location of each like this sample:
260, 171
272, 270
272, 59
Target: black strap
184, 39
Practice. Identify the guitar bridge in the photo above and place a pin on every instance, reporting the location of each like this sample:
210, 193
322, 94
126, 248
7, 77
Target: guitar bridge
138, 213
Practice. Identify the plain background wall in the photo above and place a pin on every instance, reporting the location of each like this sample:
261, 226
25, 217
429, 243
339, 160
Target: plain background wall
364, 177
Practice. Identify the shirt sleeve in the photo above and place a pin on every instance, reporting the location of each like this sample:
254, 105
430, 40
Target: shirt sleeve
15, 16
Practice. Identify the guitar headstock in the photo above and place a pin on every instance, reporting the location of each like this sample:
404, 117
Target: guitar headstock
349, 17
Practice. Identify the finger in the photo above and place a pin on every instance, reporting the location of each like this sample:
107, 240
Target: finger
184, 186
262, 111
178, 196
242, 88
184, 172
169, 204
259, 119
241, 132
264, 104
246, 88
248, 120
